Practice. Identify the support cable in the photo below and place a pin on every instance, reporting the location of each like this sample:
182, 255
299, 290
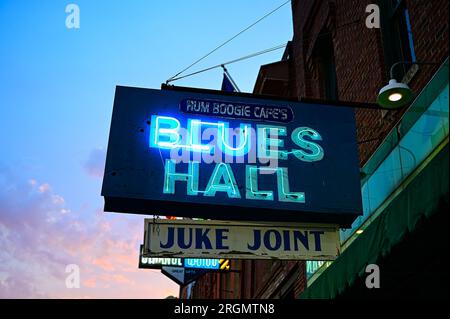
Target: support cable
278, 47
227, 41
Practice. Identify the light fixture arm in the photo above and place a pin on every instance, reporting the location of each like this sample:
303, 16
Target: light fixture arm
391, 72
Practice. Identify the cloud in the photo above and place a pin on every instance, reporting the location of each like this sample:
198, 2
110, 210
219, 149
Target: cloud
95, 164
103, 263
19, 283
90, 283
40, 236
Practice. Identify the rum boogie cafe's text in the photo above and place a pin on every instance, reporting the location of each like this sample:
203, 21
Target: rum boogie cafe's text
281, 114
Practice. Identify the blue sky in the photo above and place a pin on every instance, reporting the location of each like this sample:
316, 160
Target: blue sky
57, 89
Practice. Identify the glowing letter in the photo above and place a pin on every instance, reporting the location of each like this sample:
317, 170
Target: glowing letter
268, 143
167, 136
224, 171
171, 176
194, 131
244, 141
315, 151
284, 195
252, 192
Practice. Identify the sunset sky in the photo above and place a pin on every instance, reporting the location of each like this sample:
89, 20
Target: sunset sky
56, 95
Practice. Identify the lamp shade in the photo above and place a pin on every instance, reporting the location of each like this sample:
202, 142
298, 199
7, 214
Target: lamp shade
394, 95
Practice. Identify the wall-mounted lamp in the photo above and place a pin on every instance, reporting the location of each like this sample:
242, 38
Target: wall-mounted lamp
396, 95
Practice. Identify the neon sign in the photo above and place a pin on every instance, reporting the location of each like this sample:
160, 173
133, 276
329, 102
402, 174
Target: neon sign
166, 133
202, 263
207, 155
146, 262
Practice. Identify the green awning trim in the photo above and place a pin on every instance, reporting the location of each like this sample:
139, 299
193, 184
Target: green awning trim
419, 199
428, 94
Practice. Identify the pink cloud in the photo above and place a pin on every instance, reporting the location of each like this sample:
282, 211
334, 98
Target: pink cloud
103, 263
44, 188
121, 279
90, 283
40, 235
95, 164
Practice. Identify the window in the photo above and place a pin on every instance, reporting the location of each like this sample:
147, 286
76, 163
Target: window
324, 57
398, 43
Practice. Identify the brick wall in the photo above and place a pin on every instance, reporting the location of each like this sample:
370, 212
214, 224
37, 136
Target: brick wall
430, 25
359, 57
361, 72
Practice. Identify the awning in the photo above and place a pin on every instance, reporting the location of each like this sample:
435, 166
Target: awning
420, 199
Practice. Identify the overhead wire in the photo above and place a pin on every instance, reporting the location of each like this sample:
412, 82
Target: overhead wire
227, 41
278, 47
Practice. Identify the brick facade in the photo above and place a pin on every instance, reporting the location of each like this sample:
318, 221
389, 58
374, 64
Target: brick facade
361, 70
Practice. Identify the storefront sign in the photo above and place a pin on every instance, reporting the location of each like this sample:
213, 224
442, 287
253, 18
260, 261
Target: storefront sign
214, 239
224, 157
182, 276
211, 264
157, 263
198, 263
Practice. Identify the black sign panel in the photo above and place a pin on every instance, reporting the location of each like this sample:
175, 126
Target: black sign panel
217, 156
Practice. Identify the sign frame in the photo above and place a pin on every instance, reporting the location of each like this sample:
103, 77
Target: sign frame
135, 201
236, 238
188, 274
223, 265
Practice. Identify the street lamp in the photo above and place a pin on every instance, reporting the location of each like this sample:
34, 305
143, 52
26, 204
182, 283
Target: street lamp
396, 95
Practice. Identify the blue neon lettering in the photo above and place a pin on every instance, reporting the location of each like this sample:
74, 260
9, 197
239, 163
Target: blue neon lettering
201, 263
310, 152
165, 133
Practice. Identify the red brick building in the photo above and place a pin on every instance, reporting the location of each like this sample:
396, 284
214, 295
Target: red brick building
334, 56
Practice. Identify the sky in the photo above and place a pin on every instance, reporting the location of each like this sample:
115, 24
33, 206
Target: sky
56, 95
